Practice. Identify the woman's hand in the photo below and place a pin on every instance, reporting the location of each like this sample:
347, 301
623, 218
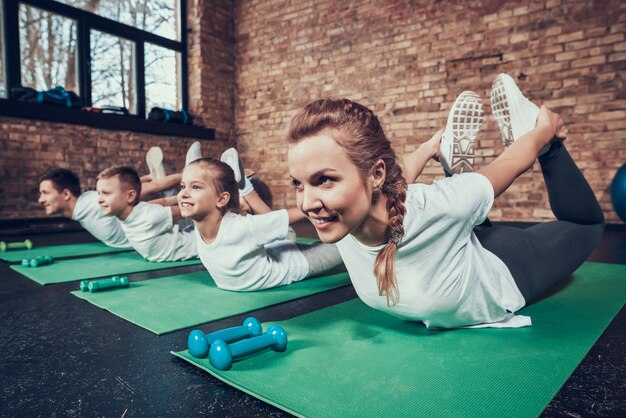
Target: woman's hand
551, 123
433, 144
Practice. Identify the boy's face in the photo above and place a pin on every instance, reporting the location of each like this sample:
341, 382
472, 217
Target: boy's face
53, 201
113, 198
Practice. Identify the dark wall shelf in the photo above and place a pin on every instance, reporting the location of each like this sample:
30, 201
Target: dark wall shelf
103, 121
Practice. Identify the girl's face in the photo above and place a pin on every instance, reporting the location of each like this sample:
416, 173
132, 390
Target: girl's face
329, 187
197, 197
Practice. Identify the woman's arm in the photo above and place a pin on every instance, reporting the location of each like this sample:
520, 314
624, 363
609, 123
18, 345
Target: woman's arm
415, 162
521, 154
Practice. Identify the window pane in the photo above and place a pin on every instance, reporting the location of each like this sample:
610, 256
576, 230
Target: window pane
162, 76
112, 71
47, 49
3, 86
160, 17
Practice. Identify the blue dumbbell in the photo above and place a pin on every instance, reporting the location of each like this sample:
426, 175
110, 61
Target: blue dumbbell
42, 260
222, 355
198, 342
97, 285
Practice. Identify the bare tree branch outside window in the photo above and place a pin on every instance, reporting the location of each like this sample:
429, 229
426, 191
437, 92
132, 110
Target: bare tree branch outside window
48, 52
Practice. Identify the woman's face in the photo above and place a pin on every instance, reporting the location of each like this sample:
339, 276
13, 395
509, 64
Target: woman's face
329, 187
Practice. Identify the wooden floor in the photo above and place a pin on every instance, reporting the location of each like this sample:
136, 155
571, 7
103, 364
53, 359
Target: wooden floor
63, 357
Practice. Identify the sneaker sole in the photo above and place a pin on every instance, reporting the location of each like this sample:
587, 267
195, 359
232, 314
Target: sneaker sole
154, 159
240, 173
464, 122
501, 110
505, 101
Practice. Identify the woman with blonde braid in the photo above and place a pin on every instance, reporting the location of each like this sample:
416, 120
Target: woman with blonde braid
412, 250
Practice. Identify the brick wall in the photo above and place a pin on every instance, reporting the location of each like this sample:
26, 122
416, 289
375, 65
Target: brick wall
252, 65
407, 60
28, 147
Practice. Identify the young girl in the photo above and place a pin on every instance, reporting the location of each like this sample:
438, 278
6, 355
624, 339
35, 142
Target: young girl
245, 252
411, 250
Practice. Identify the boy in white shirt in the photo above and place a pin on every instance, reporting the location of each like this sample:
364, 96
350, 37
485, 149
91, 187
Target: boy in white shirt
149, 227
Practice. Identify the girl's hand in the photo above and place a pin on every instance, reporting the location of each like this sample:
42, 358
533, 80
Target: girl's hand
433, 144
552, 123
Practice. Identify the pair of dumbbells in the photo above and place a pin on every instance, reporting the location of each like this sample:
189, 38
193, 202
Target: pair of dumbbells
230, 344
42, 260
97, 285
25, 245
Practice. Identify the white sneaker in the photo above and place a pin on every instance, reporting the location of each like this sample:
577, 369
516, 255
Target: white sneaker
515, 115
456, 152
154, 159
231, 157
193, 153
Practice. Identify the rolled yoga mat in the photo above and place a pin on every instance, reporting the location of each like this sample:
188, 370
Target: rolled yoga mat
171, 303
352, 361
93, 267
61, 251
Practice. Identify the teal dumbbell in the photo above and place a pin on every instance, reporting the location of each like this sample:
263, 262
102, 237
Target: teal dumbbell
222, 354
198, 342
97, 285
42, 260
26, 245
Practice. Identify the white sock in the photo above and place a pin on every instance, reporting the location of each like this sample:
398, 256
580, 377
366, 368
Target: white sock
193, 153
247, 188
154, 159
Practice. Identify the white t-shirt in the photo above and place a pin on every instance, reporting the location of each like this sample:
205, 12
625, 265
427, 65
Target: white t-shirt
252, 252
445, 277
107, 229
152, 233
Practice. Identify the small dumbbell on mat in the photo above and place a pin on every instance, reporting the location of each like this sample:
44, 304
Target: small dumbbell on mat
42, 260
26, 245
198, 342
222, 354
97, 285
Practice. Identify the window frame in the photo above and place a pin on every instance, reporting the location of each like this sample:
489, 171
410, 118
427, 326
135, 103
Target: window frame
86, 21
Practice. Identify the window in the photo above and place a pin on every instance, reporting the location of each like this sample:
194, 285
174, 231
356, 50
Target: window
126, 53
160, 17
112, 71
162, 75
47, 49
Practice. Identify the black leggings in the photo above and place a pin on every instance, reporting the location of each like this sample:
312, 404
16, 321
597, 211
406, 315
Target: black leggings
543, 255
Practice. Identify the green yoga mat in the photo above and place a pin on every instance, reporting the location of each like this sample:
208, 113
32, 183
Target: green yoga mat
350, 360
175, 302
61, 251
87, 268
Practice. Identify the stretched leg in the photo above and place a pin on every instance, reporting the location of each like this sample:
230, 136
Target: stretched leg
542, 256
571, 197
321, 257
